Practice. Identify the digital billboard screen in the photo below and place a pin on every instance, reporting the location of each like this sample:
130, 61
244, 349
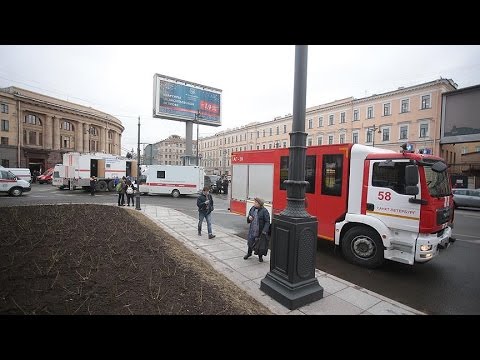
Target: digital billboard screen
461, 116
180, 100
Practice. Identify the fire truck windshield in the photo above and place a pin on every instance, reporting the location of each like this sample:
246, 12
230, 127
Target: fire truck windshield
437, 182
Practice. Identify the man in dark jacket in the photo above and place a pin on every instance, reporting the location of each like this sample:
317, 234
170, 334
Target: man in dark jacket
93, 185
225, 185
205, 208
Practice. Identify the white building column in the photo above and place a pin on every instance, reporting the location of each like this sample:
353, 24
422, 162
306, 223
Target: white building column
79, 136
47, 144
86, 137
56, 133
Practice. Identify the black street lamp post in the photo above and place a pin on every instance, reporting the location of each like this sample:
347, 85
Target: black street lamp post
372, 130
137, 194
291, 280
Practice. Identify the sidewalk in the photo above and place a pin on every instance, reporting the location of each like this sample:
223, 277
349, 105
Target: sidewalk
225, 253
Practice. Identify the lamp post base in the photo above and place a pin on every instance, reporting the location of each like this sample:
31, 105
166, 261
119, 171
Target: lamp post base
291, 280
290, 295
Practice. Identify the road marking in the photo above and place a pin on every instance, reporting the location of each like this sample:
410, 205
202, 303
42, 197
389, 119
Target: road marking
475, 237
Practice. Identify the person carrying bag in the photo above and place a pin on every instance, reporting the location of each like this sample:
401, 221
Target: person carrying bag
259, 220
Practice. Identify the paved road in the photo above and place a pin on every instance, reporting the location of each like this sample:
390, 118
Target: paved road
449, 284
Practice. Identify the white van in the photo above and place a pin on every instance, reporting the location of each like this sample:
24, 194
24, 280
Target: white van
175, 180
11, 184
21, 173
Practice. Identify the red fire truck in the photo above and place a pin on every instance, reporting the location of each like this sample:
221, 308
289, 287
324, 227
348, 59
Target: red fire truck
375, 204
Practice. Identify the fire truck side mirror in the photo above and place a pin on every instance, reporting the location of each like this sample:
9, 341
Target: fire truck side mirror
411, 180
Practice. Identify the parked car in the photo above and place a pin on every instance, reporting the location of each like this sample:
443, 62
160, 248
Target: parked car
46, 177
211, 181
466, 197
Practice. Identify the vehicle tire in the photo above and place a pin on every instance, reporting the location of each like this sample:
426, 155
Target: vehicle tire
363, 246
175, 193
455, 206
111, 185
16, 191
101, 186
40, 182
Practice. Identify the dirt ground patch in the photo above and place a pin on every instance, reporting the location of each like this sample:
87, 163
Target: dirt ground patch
97, 259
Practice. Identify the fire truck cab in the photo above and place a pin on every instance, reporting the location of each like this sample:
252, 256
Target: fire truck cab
375, 204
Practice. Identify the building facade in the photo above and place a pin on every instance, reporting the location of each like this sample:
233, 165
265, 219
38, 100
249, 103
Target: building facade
167, 152
408, 114
36, 130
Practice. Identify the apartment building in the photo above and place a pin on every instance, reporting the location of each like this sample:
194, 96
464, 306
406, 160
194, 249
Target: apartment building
36, 130
384, 120
167, 152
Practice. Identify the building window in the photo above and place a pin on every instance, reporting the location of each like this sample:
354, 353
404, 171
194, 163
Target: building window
5, 125
271, 131
423, 130
284, 144
6, 163
309, 142
464, 149
263, 132
369, 136
4, 108
284, 129
4, 140
319, 140
405, 105
93, 131
278, 130
320, 121
386, 109
425, 102
40, 139
386, 134
370, 112
330, 120
330, 139
355, 115
32, 138
477, 149
310, 123
342, 118
263, 146
403, 132
66, 142
355, 137
258, 147
25, 136
110, 135
67, 126
270, 145
342, 138
32, 119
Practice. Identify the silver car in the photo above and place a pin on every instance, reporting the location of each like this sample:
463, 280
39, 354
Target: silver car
466, 197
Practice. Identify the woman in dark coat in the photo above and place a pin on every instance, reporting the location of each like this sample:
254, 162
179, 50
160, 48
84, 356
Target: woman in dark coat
259, 220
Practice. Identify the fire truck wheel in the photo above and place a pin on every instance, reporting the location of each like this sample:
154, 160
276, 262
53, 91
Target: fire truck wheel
111, 185
175, 193
363, 246
101, 186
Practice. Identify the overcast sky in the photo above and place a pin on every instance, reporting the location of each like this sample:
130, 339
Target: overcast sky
256, 81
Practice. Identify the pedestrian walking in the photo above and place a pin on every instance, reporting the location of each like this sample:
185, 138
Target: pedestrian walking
93, 185
259, 220
205, 208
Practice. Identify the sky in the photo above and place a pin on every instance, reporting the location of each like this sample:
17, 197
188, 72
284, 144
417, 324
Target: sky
256, 81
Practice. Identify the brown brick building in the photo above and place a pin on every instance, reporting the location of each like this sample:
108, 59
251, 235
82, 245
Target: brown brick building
36, 130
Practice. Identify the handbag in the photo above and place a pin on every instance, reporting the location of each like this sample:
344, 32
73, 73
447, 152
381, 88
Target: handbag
256, 245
